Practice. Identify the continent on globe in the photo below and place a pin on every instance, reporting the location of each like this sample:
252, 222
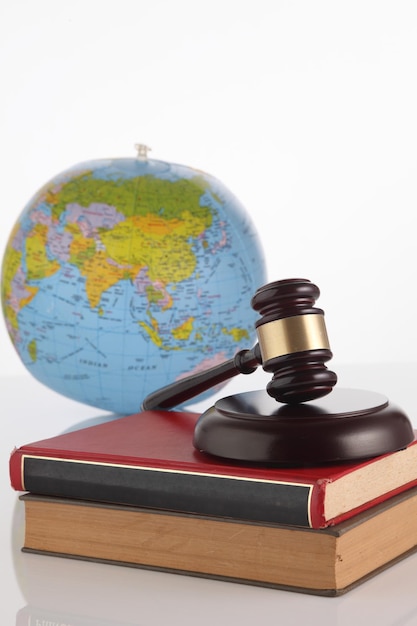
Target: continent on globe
123, 275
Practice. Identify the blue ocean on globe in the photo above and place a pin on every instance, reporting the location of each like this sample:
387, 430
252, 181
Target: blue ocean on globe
124, 275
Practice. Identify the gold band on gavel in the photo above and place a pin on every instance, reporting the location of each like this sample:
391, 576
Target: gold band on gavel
292, 334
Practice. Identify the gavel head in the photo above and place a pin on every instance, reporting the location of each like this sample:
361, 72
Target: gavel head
293, 340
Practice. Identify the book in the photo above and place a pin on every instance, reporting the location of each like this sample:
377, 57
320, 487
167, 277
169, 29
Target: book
327, 561
148, 459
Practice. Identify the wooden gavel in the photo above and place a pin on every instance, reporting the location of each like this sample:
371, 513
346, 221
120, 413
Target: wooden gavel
292, 344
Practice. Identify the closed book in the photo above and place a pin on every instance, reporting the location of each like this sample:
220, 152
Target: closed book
148, 459
327, 561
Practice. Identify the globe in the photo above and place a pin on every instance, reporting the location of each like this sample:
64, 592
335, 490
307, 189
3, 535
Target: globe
124, 275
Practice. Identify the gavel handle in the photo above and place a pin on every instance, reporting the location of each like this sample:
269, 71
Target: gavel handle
244, 362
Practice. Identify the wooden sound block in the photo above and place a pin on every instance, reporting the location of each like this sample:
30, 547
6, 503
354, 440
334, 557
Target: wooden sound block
346, 425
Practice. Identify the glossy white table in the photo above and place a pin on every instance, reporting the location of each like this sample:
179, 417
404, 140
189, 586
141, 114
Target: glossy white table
63, 591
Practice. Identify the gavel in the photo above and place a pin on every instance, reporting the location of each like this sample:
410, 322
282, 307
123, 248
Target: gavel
292, 344
297, 421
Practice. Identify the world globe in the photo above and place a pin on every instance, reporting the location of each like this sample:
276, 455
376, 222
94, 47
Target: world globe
124, 275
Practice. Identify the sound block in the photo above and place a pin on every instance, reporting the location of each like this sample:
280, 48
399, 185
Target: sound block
346, 425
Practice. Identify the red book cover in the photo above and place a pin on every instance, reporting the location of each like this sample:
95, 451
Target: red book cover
148, 459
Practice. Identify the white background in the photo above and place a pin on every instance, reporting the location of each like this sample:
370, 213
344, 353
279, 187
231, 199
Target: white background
306, 110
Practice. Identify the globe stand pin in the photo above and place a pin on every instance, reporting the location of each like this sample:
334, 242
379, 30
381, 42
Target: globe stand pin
142, 151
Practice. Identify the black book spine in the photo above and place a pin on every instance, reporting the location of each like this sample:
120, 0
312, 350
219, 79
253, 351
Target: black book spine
203, 494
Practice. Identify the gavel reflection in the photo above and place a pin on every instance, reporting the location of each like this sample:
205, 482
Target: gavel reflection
292, 345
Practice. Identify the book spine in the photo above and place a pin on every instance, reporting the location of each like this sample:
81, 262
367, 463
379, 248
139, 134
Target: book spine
203, 494
15, 470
